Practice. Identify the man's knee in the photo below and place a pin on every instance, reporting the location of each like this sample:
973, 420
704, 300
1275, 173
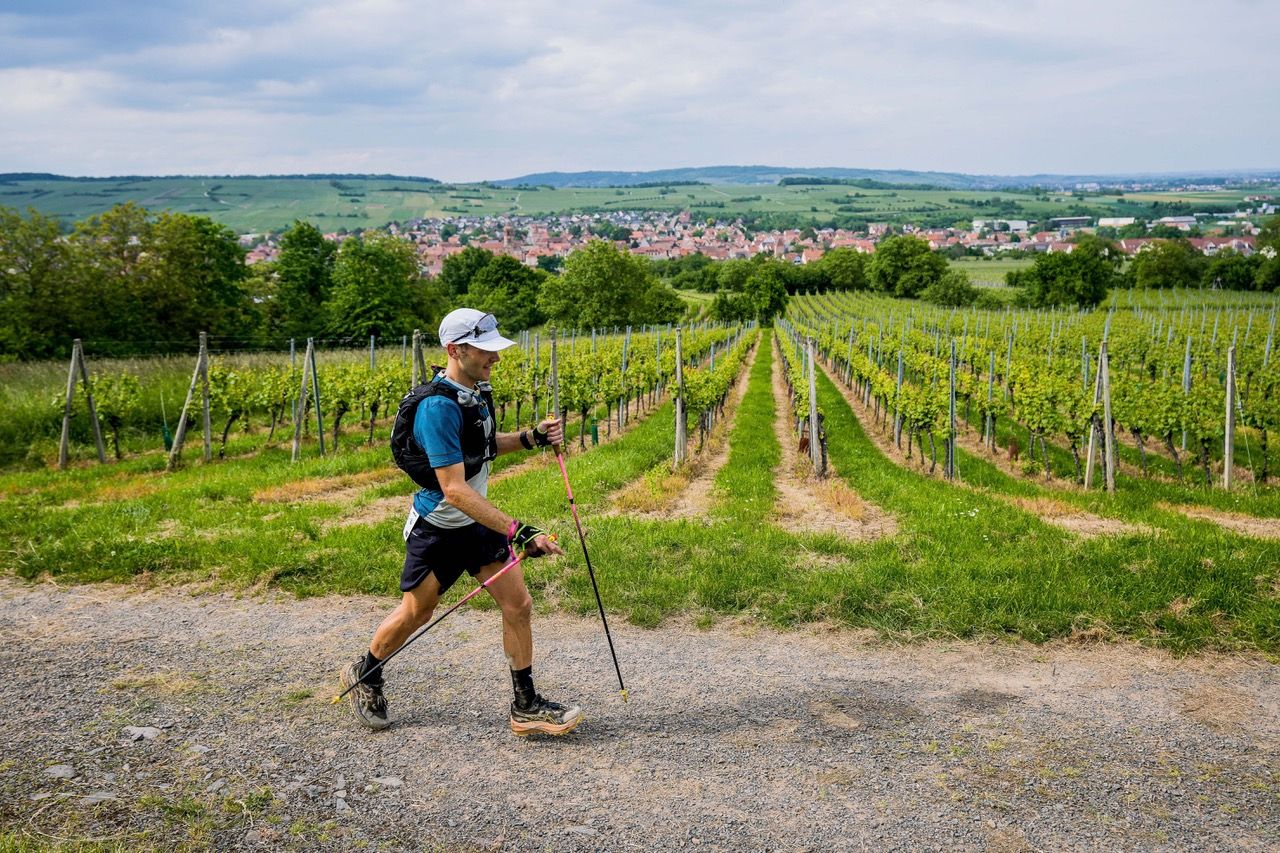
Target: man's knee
518, 608
417, 609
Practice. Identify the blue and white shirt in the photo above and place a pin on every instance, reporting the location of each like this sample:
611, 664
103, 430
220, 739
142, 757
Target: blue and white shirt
437, 427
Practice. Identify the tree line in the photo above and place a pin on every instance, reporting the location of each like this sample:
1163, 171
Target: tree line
133, 282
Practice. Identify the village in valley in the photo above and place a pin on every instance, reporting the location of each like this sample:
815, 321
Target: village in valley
664, 235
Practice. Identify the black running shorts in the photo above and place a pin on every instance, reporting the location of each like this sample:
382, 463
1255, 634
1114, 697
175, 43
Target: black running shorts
448, 552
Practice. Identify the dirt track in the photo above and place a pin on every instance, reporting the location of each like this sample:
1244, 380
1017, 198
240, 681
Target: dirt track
732, 740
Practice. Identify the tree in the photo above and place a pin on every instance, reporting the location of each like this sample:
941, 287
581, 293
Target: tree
952, 289
766, 290
1269, 235
458, 270
1230, 270
199, 261
304, 279
1080, 277
374, 278
509, 290
33, 286
603, 286
904, 266
732, 306
1167, 263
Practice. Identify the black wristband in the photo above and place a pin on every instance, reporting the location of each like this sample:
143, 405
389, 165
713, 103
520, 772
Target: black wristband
524, 440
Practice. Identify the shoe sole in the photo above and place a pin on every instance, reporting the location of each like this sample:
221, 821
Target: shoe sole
346, 681
543, 728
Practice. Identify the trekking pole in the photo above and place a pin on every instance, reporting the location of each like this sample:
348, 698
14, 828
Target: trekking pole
515, 561
591, 572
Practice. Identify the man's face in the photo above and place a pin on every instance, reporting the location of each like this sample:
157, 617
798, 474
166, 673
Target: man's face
475, 362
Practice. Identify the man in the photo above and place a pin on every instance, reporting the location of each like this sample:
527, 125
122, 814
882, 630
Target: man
453, 527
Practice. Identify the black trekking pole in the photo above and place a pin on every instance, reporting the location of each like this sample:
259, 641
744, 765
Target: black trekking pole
502, 571
591, 572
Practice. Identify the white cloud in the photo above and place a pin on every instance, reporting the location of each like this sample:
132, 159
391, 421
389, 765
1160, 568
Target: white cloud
472, 90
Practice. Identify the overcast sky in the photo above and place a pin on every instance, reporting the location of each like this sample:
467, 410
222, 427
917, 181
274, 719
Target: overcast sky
471, 91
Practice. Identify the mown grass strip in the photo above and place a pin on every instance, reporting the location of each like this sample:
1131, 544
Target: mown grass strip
744, 490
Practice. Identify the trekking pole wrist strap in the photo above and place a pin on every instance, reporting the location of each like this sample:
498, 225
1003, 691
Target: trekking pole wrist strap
524, 439
540, 437
522, 535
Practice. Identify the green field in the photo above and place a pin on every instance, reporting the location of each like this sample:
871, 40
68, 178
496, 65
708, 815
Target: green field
255, 205
990, 272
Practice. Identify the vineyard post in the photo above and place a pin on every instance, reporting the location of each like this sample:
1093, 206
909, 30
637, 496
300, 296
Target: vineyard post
1091, 455
204, 385
681, 428
404, 350
78, 366
372, 363
180, 434
1108, 435
315, 392
951, 416
989, 427
417, 360
533, 380
1186, 385
815, 433
897, 403
555, 380
66, 408
293, 355
848, 379
1266, 353
93, 408
1084, 363
625, 403
1228, 448
301, 410
1008, 363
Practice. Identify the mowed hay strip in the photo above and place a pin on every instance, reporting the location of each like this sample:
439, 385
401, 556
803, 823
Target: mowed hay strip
809, 505
1073, 519
345, 487
687, 492
1237, 522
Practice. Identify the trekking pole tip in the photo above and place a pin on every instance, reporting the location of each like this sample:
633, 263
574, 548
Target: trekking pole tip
335, 700
626, 696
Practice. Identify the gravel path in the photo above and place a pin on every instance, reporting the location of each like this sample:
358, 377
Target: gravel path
203, 717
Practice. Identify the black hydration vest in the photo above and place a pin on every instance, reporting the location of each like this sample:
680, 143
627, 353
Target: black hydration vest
477, 448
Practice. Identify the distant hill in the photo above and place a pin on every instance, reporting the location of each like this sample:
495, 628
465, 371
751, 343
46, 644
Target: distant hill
758, 175
779, 196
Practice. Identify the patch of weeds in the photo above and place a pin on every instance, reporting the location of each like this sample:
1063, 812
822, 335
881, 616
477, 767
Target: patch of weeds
297, 697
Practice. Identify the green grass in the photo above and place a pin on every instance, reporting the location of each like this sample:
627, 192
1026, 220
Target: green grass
964, 562
990, 271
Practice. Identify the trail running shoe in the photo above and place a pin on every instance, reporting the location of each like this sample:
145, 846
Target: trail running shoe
544, 717
366, 699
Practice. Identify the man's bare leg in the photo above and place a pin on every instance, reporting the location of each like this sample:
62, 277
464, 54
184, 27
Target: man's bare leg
529, 712
413, 611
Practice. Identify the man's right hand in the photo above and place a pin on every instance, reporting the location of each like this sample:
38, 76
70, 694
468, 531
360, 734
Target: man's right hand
543, 546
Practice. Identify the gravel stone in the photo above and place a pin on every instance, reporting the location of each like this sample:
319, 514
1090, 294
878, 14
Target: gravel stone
136, 733
840, 743
61, 771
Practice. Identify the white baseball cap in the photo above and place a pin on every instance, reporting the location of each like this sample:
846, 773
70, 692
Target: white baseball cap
474, 328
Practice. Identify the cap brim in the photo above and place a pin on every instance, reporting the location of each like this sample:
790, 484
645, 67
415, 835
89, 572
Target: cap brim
491, 342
